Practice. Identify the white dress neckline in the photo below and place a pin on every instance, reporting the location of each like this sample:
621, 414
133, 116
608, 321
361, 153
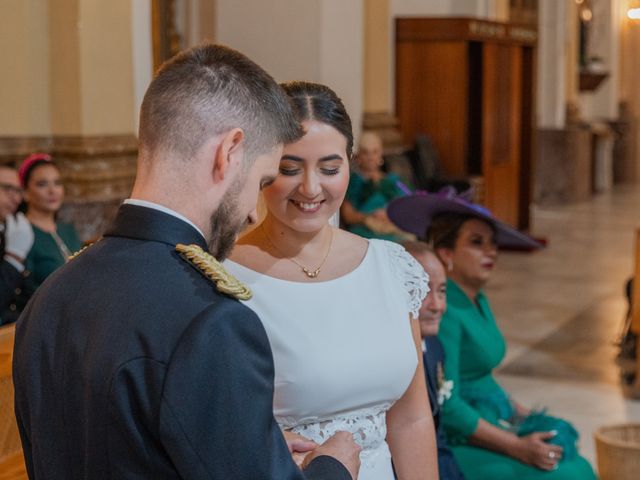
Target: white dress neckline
346, 276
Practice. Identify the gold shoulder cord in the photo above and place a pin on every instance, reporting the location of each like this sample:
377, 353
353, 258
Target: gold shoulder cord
214, 271
74, 255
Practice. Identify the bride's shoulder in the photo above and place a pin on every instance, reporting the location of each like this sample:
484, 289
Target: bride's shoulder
353, 245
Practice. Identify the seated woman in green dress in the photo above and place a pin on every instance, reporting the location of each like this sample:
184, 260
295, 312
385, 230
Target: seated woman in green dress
492, 436
370, 190
54, 241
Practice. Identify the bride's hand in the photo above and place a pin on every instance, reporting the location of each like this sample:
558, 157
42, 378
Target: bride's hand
299, 447
343, 448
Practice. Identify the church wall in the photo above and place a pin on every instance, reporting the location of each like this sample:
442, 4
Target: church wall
316, 40
24, 56
106, 67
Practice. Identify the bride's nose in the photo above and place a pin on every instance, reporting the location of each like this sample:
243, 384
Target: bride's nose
310, 186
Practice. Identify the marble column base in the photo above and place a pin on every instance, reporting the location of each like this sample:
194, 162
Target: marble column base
563, 167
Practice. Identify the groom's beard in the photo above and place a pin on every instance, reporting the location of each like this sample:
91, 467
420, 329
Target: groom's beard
226, 223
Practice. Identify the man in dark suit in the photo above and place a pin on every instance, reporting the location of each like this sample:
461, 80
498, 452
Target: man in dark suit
433, 307
134, 360
16, 239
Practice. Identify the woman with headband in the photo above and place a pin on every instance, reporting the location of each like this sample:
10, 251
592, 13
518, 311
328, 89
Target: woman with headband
43, 196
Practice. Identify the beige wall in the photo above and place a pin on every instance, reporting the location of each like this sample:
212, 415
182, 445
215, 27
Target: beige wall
64, 81
24, 56
67, 67
316, 40
106, 67
142, 54
377, 56
282, 36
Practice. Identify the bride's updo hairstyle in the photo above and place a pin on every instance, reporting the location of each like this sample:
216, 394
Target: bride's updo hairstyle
313, 101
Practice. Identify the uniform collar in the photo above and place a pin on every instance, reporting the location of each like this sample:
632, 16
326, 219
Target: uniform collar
145, 223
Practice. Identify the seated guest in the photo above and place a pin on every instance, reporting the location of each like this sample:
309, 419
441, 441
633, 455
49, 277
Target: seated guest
43, 197
492, 435
433, 306
16, 238
370, 190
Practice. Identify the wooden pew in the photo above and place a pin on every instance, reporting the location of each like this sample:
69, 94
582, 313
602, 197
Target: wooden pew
11, 459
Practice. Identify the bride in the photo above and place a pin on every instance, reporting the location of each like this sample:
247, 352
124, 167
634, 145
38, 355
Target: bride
340, 311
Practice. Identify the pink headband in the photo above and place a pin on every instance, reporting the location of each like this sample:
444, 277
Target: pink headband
28, 163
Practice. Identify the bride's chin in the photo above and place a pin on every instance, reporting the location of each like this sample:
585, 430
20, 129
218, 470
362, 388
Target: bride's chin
308, 227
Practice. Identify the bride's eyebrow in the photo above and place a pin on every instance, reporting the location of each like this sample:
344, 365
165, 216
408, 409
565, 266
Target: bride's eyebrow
327, 158
292, 157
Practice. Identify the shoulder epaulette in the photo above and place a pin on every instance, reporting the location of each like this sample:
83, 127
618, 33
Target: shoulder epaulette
74, 255
214, 271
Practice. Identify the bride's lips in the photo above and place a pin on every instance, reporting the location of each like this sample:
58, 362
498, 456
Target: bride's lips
488, 265
307, 207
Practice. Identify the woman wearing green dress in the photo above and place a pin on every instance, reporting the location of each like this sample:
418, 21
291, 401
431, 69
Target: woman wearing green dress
370, 190
492, 436
54, 241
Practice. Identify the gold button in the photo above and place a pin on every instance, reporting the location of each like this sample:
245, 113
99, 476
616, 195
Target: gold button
18, 291
13, 307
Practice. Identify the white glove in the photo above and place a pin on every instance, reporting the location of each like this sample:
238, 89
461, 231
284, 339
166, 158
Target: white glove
18, 236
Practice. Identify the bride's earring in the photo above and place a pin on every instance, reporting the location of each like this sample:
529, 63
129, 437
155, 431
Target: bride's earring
450, 266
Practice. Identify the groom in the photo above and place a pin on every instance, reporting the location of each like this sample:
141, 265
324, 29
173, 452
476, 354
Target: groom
135, 360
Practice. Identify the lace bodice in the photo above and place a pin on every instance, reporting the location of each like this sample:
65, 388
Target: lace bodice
368, 426
343, 349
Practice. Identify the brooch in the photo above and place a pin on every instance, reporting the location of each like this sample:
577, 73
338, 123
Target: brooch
445, 387
214, 271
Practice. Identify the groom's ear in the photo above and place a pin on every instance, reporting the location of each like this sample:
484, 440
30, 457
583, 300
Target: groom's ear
229, 154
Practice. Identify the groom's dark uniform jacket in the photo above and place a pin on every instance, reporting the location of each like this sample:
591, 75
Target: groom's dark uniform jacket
129, 364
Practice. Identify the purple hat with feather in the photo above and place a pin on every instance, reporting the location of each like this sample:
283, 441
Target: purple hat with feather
414, 213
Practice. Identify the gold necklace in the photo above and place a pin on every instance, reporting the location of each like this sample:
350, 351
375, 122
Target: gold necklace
307, 271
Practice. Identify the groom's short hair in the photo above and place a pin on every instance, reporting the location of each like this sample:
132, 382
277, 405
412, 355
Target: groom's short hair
208, 90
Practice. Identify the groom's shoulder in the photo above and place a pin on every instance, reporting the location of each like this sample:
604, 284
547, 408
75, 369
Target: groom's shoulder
145, 275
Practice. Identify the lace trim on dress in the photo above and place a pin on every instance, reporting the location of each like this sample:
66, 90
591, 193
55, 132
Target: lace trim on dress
416, 280
368, 426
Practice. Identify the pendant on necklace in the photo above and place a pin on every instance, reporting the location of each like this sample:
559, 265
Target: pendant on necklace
311, 274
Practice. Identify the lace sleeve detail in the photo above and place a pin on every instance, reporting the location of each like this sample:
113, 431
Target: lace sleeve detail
413, 276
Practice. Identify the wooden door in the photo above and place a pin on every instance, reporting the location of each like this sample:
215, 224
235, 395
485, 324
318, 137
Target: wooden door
502, 129
432, 97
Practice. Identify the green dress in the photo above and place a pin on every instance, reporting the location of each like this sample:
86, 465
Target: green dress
474, 346
46, 256
367, 196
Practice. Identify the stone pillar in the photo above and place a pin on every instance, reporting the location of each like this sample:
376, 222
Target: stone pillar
604, 43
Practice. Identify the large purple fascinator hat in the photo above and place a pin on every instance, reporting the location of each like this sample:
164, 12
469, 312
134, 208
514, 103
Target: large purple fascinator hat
414, 213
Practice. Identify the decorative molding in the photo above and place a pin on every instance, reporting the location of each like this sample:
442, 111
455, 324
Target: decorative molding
462, 28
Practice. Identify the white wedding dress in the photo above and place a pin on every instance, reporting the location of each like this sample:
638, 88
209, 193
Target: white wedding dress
343, 349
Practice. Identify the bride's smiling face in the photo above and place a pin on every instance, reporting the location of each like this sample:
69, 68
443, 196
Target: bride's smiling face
313, 179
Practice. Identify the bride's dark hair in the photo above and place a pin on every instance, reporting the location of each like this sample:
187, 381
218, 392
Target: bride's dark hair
313, 101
